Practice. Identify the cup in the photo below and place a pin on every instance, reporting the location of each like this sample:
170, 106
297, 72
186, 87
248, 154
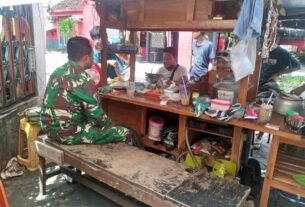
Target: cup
265, 113
184, 95
130, 89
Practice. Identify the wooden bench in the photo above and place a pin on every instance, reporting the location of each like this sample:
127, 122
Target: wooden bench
149, 178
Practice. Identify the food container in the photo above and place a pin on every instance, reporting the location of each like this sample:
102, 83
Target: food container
285, 102
229, 85
155, 127
288, 116
297, 122
220, 105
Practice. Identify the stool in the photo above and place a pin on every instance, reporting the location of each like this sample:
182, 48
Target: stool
30, 132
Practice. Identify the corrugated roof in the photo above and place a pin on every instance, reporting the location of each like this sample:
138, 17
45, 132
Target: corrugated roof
68, 5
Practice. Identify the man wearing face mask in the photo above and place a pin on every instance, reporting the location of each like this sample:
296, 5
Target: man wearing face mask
172, 72
71, 112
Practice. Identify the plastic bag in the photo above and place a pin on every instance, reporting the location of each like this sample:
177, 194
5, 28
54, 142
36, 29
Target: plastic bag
243, 57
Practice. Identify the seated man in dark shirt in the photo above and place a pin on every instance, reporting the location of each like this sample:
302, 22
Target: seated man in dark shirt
280, 62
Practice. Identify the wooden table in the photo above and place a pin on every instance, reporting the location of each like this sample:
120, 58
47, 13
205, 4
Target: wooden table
147, 177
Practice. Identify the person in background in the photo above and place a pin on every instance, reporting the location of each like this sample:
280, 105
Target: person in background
172, 72
71, 112
203, 56
116, 63
280, 62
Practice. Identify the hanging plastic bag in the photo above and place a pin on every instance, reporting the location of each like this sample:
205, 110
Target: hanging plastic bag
243, 57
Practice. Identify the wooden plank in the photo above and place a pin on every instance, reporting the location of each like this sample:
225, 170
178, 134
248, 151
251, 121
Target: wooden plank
203, 10
128, 169
290, 186
165, 10
128, 114
190, 10
49, 152
142, 11
205, 189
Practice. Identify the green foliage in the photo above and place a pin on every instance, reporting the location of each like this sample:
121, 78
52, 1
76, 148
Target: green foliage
294, 80
66, 27
287, 83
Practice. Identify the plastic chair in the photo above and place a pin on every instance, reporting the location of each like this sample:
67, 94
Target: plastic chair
29, 132
3, 199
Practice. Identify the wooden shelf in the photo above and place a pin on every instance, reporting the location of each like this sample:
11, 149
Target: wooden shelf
287, 165
209, 130
151, 144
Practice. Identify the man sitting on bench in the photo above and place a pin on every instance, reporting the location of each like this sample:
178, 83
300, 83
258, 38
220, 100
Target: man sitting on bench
71, 112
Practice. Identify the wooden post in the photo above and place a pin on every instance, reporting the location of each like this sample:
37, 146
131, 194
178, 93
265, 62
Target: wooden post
100, 8
181, 132
269, 173
132, 60
255, 78
237, 143
243, 90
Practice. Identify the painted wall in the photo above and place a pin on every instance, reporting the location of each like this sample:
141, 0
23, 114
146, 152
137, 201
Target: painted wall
185, 49
9, 119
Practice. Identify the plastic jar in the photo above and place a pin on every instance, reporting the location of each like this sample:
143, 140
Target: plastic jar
155, 127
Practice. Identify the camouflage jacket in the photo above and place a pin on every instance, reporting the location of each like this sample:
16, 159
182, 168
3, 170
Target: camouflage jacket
70, 104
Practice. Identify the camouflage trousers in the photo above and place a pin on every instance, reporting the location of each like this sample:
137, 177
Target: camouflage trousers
91, 134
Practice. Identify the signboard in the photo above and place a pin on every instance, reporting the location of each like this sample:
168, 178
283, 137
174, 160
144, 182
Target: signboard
157, 39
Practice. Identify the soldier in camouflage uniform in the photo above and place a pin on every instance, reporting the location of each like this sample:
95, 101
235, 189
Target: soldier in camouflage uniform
71, 112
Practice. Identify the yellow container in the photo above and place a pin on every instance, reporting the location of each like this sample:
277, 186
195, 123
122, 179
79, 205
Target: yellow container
29, 132
190, 163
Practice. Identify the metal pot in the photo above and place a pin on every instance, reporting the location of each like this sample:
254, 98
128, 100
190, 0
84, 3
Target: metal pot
285, 102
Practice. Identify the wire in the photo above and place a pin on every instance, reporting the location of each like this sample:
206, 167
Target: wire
189, 148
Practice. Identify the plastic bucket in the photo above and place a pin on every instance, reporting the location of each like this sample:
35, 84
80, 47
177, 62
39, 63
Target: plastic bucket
155, 127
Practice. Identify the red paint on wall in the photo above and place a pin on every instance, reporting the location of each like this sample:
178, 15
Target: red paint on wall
299, 43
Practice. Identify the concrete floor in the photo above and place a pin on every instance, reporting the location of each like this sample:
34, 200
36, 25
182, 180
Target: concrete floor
24, 192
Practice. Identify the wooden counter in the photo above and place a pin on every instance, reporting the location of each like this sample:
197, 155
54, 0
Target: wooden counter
133, 112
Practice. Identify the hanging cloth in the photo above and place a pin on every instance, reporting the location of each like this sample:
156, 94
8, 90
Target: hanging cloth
249, 22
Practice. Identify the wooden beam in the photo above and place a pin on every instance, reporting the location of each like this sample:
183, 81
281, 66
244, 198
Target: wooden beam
206, 25
100, 8
190, 10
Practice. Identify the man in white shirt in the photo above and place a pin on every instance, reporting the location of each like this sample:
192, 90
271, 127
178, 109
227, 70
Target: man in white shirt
171, 71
